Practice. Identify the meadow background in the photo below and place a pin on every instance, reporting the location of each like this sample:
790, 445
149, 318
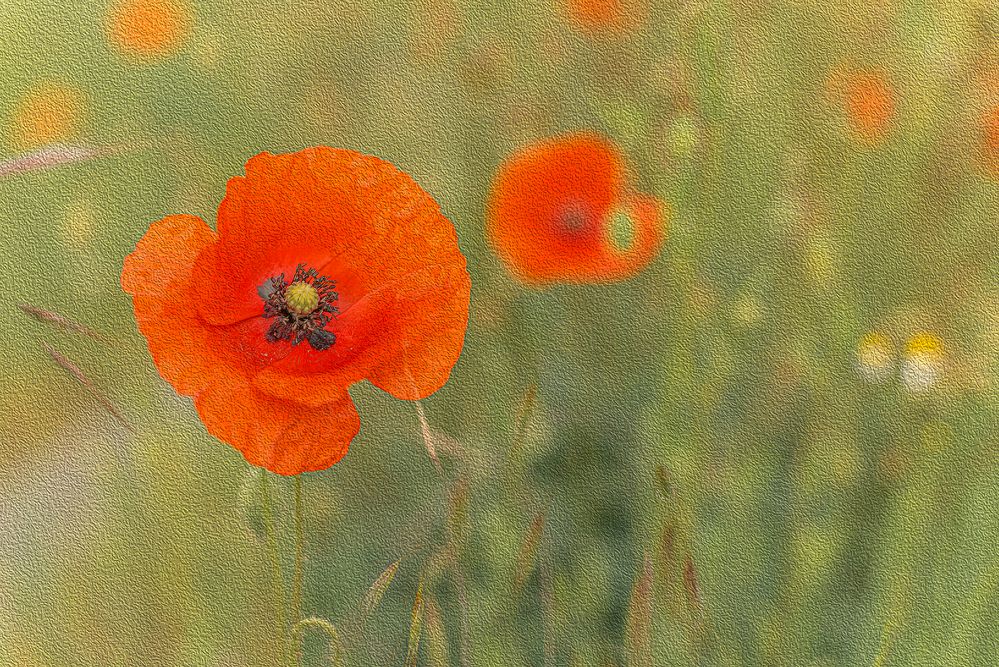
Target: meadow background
775, 446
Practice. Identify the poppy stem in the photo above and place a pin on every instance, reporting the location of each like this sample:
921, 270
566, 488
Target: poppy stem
275, 558
334, 643
299, 551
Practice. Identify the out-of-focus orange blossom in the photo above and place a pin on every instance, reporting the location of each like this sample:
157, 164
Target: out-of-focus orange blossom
870, 104
868, 99
595, 16
990, 140
48, 113
149, 29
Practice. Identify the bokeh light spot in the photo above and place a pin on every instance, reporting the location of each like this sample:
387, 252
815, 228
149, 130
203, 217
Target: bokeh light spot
149, 29
594, 16
49, 113
870, 104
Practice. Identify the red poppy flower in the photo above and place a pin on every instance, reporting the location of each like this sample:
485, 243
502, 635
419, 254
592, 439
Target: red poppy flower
560, 211
328, 267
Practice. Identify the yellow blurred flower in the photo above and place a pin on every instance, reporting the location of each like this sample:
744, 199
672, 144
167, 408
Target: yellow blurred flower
149, 29
48, 113
922, 362
820, 260
748, 310
78, 224
208, 52
875, 357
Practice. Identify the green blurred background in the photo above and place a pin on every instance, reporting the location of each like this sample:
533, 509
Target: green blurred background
776, 446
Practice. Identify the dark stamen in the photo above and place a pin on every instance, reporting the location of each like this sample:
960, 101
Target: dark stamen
574, 218
294, 326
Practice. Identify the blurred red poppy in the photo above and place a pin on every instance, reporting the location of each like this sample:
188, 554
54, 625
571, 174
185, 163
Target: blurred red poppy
990, 140
328, 267
561, 211
870, 104
149, 29
605, 15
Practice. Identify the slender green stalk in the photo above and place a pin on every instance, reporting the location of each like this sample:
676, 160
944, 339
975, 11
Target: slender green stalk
275, 558
334, 643
296, 607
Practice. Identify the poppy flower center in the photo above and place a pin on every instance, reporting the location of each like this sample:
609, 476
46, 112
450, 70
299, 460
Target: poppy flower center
574, 218
302, 298
301, 309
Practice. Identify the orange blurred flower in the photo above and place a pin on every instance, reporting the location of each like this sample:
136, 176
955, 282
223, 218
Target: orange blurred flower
869, 102
149, 29
604, 15
49, 113
560, 211
328, 267
990, 140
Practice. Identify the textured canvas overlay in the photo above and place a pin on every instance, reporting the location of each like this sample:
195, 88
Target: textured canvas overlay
513, 333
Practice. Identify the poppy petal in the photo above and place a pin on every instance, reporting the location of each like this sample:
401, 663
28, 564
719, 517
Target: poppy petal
422, 345
614, 264
158, 276
308, 207
285, 437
